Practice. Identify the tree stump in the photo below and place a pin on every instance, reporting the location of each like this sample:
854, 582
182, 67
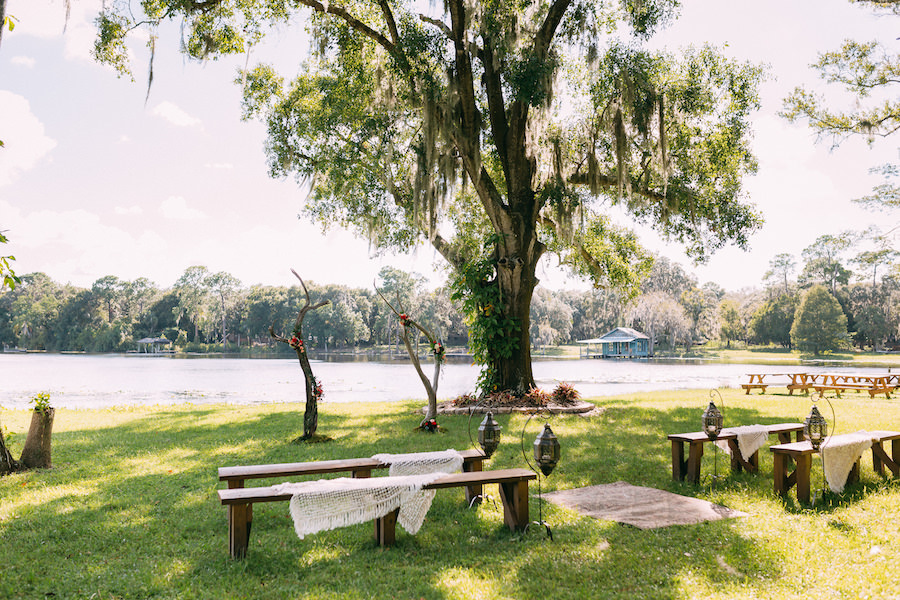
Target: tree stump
36, 452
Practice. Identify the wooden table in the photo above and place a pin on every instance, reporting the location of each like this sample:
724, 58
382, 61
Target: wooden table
797, 381
689, 469
801, 453
840, 382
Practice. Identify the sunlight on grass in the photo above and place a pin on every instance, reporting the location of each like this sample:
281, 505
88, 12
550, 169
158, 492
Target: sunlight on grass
130, 503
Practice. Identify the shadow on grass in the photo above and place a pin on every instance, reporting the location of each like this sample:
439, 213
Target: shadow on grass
130, 511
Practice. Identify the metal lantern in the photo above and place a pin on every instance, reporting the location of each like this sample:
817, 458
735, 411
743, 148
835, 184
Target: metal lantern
815, 427
489, 434
546, 450
712, 421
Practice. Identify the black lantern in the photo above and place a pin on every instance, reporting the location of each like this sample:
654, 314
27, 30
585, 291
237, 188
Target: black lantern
546, 450
489, 434
712, 421
815, 427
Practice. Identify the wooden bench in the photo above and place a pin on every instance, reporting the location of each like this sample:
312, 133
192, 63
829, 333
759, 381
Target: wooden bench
473, 460
756, 382
801, 454
513, 485
689, 469
872, 389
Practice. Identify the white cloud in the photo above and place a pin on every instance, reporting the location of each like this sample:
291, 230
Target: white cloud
177, 209
49, 20
129, 210
175, 115
23, 61
25, 142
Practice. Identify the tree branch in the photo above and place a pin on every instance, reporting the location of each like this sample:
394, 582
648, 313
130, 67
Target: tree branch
389, 20
350, 20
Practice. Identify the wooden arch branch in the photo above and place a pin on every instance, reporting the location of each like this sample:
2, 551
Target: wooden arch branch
430, 386
313, 387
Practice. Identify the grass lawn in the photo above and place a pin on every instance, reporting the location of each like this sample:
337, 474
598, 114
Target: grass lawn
129, 510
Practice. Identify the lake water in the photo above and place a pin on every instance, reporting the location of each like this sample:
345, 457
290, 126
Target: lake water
96, 381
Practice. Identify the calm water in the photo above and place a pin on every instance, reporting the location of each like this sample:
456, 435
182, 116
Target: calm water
91, 381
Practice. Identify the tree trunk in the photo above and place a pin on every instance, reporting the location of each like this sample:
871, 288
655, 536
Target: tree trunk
311, 414
518, 256
36, 452
7, 463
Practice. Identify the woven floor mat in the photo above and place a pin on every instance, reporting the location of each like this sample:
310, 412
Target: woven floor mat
645, 508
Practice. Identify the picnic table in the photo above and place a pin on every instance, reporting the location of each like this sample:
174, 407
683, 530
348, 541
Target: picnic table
840, 382
795, 381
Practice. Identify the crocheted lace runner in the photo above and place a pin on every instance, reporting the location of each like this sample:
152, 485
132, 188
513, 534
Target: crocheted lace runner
750, 438
331, 503
840, 453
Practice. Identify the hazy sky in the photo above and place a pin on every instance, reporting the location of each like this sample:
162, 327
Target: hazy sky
95, 182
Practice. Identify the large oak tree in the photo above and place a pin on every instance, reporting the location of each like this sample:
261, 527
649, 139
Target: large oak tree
496, 131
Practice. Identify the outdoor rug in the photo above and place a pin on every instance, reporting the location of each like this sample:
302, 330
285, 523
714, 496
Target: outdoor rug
645, 508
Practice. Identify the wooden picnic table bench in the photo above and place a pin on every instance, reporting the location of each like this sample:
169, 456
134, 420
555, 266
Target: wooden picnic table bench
473, 460
840, 382
801, 453
797, 381
513, 484
756, 382
689, 469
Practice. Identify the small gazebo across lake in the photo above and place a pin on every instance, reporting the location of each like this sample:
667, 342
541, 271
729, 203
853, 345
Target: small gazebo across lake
621, 342
154, 345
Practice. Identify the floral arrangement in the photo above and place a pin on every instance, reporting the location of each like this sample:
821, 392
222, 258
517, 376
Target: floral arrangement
317, 390
430, 425
437, 349
297, 344
405, 320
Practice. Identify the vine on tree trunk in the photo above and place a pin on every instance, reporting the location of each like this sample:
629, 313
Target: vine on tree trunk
493, 334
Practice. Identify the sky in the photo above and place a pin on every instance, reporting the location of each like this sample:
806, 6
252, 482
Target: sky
96, 181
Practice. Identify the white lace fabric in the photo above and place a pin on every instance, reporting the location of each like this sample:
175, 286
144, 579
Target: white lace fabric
331, 503
840, 453
750, 438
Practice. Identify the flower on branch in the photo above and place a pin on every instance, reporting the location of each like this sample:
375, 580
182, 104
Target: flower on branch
405, 320
438, 349
297, 344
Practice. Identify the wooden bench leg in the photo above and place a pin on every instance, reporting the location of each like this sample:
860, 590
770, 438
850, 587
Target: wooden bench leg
853, 475
880, 458
386, 529
693, 464
514, 495
240, 519
804, 466
679, 465
780, 474
474, 493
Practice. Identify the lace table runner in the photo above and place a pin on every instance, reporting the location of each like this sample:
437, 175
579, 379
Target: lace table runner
331, 503
750, 438
840, 453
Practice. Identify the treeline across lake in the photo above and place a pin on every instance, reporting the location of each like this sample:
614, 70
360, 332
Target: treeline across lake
202, 309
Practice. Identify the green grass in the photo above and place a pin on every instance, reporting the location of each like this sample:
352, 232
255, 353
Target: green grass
129, 510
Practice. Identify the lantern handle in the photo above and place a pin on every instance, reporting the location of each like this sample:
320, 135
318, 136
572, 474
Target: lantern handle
715, 393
